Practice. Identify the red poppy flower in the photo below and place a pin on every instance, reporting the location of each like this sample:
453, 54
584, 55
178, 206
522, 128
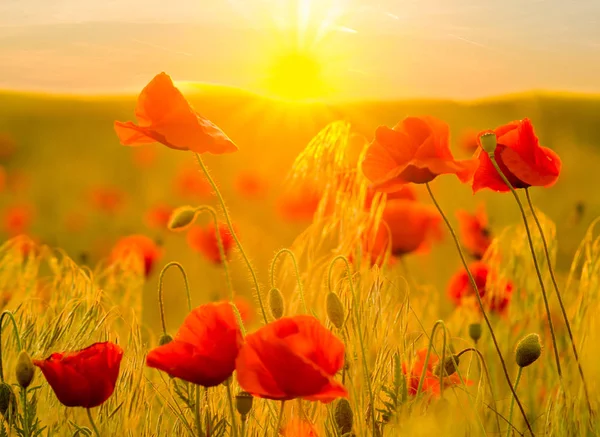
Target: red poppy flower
297, 427
85, 378
165, 117
189, 183
293, 357
300, 203
158, 216
251, 185
416, 150
474, 232
17, 219
496, 299
204, 349
431, 383
107, 199
520, 157
204, 241
136, 252
413, 225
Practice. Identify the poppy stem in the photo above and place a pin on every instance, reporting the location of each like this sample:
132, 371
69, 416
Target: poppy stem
234, 430
481, 307
233, 234
197, 412
487, 376
355, 305
161, 302
279, 418
225, 263
560, 301
512, 402
424, 371
17, 336
535, 262
94, 427
295, 263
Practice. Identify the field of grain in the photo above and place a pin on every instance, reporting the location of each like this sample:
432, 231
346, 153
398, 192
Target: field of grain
71, 192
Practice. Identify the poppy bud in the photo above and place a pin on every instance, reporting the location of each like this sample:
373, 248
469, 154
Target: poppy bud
488, 142
335, 310
475, 331
449, 367
181, 218
165, 339
24, 369
243, 403
276, 303
528, 350
8, 401
344, 416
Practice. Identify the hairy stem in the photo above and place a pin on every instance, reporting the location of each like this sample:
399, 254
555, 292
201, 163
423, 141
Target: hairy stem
197, 414
535, 262
560, 301
355, 305
234, 430
16, 333
512, 402
481, 307
94, 427
224, 263
161, 302
279, 418
233, 234
294, 262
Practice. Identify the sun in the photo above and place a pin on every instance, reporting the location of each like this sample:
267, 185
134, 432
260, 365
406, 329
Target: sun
297, 75
306, 40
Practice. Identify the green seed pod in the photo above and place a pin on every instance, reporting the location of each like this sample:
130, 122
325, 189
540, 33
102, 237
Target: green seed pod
335, 310
8, 401
181, 218
475, 331
165, 339
276, 303
488, 142
24, 369
528, 350
243, 403
344, 418
449, 367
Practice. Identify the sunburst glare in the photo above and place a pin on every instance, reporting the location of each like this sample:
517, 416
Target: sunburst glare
308, 46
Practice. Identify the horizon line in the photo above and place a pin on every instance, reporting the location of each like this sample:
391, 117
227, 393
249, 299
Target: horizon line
132, 93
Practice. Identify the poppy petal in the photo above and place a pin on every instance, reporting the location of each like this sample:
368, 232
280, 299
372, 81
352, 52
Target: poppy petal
132, 135
486, 176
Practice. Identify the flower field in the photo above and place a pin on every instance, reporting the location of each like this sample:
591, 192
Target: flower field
208, 262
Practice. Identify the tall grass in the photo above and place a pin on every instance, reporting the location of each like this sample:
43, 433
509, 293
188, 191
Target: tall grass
389, 314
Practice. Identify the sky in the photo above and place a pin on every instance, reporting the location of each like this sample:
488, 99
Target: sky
347, 48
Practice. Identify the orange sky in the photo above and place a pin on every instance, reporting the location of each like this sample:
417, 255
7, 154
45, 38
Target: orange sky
349, 48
